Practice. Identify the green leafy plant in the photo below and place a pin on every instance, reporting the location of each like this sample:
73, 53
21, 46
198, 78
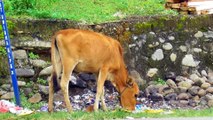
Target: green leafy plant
10, 26
42, 81
29, 84
4, 68
3, 51
33, 56
160, 81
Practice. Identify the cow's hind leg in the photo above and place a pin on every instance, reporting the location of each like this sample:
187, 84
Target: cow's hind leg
67, 71
100, 84
51, 92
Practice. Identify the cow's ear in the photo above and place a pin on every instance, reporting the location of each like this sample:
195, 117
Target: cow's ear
130, 81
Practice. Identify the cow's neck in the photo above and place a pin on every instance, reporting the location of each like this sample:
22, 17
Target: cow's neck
121, 77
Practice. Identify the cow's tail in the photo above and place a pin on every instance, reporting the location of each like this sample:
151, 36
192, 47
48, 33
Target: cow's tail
56, 62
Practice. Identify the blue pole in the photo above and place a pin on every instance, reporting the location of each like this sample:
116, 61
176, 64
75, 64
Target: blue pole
9, 54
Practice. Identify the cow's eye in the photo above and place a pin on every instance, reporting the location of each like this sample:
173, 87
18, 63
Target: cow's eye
136, 95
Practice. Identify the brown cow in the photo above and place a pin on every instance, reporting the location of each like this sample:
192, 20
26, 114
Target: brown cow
87, 51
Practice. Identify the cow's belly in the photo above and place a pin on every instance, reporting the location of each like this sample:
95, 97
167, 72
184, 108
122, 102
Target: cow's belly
87, 68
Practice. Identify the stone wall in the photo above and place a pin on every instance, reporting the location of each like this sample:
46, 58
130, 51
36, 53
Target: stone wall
155, 47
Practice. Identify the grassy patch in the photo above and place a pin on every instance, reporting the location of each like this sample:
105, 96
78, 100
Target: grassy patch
89, 11
80, 115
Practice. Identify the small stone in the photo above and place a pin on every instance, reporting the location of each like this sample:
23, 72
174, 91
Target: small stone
210, 103
167, 91
171, 83
198, 34
209, 90
204, 73
183, 48
151, 72
35, 98
208, 34
151, 33
203, 101
171, 37
183, 96
197, 80
137, 78
179, 78
173, 57
209, 97
44, 89
151, 89
205, 85
8, 96
170, 75
27, 91
171, 96
188, 60
184, 102
21, 83
20, 54
6, 87
2, 92
156, 97
58, 96
24, 72
194, 90
196, 98
201, 92
39, 63
158, 55
185, 84
132, 45
193, 77
46, 71
180, 90
197, 50
167, 46
161, 40
98, 27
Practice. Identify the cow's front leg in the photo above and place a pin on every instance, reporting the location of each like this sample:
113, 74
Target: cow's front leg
103, 104
100, 84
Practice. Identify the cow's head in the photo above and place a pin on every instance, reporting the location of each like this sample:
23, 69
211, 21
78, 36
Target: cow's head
129, 94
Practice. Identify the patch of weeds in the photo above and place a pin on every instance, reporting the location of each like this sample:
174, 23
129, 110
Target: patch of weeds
10, 27
42, 81
4, 69
29, 84
33, 56
160, 81
26, 104
3, 51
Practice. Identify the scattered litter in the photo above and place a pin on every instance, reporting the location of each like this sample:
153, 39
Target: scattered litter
24, 112
140, 108
154, 111
143, 108
6, 106
44, 108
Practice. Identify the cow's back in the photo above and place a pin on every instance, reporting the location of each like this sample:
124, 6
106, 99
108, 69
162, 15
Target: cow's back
92, 50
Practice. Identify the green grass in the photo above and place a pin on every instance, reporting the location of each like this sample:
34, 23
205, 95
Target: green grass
86, 11
80, 115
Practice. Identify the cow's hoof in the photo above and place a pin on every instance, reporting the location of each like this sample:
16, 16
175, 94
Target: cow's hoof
90, 108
